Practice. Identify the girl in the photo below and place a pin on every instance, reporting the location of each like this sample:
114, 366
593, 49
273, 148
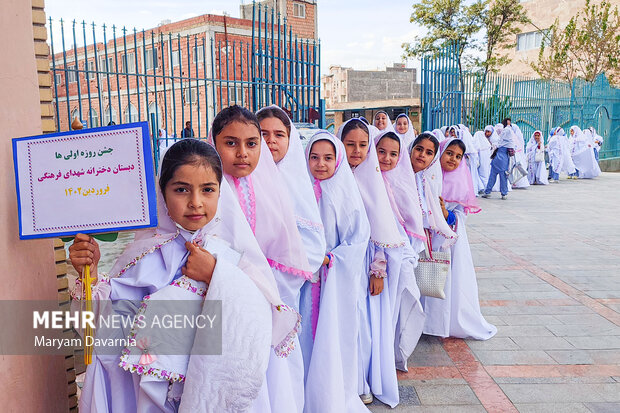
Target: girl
458, 315
249, 168
583, 155
500, 163
520, 154
536, 171
331, 384
484, 139
383, 263
402, 193
382, 121
173, 259
284, 142
559, 155
404, 129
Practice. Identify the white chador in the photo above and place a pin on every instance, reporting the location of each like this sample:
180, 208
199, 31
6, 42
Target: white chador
142, 379
331, 382
484, 154
385, 258
582, 153
536, 170
520, 155
458, 315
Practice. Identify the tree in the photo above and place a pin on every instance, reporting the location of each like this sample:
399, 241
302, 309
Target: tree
455, 21
588, 46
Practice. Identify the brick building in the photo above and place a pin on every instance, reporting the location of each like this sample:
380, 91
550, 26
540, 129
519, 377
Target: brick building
178, 71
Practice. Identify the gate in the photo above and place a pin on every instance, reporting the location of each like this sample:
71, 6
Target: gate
450, 97
182, 72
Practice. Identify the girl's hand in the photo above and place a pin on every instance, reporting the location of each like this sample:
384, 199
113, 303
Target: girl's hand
443, 208
326, 260
85, 251
376, 285
200, 263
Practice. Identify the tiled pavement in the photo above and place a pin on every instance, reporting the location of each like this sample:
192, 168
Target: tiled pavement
548, 267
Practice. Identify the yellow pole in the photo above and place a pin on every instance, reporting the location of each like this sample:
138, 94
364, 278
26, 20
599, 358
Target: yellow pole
88, 296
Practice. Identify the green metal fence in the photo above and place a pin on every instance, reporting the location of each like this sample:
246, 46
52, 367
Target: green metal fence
450, 97
182, 72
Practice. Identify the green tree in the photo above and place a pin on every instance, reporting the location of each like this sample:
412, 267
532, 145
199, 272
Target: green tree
586, 47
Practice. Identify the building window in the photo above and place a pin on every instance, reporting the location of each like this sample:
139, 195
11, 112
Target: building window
75, 114
190, 95
131, 114
106, 65
71, 74
58, 79
154, 110
109, 115
199, 54
530, 41
128, 63
150, 59
299, 10
93, 119
91, 69
174, 58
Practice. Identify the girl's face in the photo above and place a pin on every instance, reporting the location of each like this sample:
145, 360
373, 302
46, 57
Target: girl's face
381, 121
451, 158
422, 155
452, 133
276, 136
402, 126
488, 133
356, 146
239, 147
388, 152
572, 132
537, 137
191, 196
322, 160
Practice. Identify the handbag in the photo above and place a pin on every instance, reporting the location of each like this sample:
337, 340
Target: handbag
516, 173
432, 270
540, 155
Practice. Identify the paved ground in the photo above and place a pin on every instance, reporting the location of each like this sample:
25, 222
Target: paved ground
548, 266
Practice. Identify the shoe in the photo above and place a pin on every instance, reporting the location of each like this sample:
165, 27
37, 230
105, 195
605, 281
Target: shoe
486, 195
481, 192
504, 197
366, 398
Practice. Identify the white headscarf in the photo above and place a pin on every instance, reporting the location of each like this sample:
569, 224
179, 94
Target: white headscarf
481, 139
389, 126
383, 229
401, 188
299, 183
408, 136
471, 146
507, 139
438, 134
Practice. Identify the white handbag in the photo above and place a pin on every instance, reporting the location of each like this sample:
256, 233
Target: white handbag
432, 270
516, 173
540, 155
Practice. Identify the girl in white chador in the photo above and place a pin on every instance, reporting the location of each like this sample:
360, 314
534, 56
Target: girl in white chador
582, 153
284, 142
382, 121
401, 189
485, 140
332, 382
386, 262
559, 155
404, 129
458, 315
265, 201
536, 169
202, 249
520, 155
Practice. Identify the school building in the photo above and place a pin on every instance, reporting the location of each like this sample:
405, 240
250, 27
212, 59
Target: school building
181, 71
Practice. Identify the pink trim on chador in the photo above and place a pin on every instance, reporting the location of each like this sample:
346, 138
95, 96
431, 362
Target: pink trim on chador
289, 270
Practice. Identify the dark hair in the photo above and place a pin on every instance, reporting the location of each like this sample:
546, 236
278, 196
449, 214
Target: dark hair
275, 113
188, 152
326, 140
430, 137
459, 143
232, 114
391, 135
352, 125
505, 121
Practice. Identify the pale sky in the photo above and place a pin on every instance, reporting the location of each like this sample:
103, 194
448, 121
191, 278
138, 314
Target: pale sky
354, 33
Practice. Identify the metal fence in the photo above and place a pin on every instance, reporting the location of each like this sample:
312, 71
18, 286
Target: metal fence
450, 97
179, 73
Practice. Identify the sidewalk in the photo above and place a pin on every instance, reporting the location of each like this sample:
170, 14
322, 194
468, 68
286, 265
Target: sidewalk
548, 266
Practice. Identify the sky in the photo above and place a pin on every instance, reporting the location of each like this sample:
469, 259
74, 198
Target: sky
353, 33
